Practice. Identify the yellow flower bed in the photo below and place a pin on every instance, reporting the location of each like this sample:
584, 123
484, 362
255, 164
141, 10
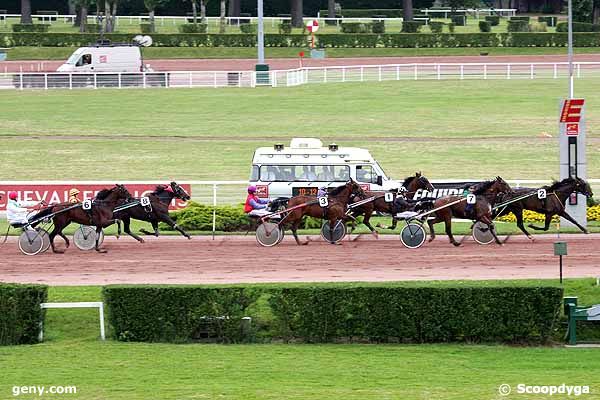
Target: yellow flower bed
593, 214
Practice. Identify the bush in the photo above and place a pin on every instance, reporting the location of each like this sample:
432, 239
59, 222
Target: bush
593, 214
177, 313
93, 28
366, 12
494, 20
192, 28
451, 27
38, 28
411, 26
285, 28
485, 26
459, 20
577, 27
538, 27
519, 19
378, 27
407, 313
146, 28
355, 27
20, 313
550, 21
249, 28
518, 26
436, 27
199, 217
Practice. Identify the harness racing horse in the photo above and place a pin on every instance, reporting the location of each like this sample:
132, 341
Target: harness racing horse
449, 206
100, 215
412, 185
336, 210
554, 203
157, 211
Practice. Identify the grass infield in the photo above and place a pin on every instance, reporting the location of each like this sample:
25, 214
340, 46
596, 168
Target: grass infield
72, 355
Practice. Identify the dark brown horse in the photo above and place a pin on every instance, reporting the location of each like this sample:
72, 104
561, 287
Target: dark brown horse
456, 206
100, 215
336, 210
554, 203
157, 211
412, 185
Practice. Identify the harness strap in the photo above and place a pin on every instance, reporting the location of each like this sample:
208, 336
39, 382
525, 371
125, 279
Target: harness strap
127, 205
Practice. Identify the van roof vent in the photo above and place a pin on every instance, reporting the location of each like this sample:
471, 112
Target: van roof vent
305, 143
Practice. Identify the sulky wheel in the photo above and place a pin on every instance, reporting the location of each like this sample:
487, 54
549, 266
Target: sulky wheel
482, 233
338, 232
30, 242
45, 238
268, 234
413, 235
85, 237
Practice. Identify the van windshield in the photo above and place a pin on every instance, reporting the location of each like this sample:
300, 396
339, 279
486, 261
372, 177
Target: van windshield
304, 173
385, 176
74, 57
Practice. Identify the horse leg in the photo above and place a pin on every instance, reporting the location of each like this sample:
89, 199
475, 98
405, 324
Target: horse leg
571, 220
127, 229
367, 223
430, 223
294, 229
448, 224
167, 219
66, 239
519, 216
547, 221
97, 247
490, 225
57, 229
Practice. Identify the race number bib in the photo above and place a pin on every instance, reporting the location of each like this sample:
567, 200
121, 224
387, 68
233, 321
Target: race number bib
471, 199
323, 201
145, 201
87, 205
541, 193
389, 197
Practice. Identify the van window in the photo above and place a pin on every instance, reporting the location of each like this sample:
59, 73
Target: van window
254, 173
364, 173
304, 173
85, 59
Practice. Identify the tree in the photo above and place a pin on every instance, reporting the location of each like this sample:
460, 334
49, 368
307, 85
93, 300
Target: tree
110, 14
83, 6
234, 8
203, 11
194, 10
297, 13
151, 7
331, 9
223, 21
407, 10
26, 12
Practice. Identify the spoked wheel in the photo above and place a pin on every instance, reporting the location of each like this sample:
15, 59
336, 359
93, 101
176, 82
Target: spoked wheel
31, 242
482, 234
269, 234
85, 237
339, 231
413, 235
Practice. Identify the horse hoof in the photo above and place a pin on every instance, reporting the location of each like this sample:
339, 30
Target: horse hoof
101, 251
189, 237
58, 251
456, 244
430, 240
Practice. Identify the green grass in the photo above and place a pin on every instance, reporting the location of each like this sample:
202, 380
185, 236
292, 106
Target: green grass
151, 53
448, 129
72, 355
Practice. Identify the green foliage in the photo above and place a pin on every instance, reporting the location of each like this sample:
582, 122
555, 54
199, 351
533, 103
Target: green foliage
518, 26
192, 28
93, 28
538, 27
459, 20
582, 10
485, 26
20, 313
436, 27
37, 28
367, 12
520, 18
451, 27
550, 21
577, 27
285, 28
177, 313
199, 217
146, 28
355, 27
494, 20
378, 26
249, 28
411, 26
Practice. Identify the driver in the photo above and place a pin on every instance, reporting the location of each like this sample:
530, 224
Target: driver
16, 211
74, 196
255, 206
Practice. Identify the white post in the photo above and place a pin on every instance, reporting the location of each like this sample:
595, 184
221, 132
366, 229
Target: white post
361, 73
343, 74
507, 71
214, 227
555, 71
144, 80
119, 77
46, 81
484, 71
462, 71
579, 70
416, 73
531, 71
215, 79
439, 72
95, 81
102, 333
166, 80
260, 33
397, 72
380, 73
325, 75
70, 81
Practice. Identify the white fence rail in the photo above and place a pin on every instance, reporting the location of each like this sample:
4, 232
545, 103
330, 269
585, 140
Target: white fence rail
294, 77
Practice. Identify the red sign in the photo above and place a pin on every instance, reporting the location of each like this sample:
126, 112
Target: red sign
102, 59
60, 193
312, 26
572, 129
571, 111
262, 191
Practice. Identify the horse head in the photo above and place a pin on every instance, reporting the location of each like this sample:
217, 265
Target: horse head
583, 187
500, 186
179, 192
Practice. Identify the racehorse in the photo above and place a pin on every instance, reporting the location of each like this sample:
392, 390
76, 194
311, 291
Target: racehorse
157, 211
485, 193
412, 185
553, 204
100, 215
336, 210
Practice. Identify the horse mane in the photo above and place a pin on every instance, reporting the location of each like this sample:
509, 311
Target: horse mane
159, 189
483, 187
103, 194
408, 180
337, 190
556, 184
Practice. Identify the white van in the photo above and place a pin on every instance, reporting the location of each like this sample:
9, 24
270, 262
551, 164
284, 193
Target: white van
106, 58
306, 165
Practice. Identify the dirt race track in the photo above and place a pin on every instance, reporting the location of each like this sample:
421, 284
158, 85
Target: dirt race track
240, 259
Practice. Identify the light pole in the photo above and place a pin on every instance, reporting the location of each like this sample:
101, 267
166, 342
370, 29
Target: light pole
570, 46
262, 69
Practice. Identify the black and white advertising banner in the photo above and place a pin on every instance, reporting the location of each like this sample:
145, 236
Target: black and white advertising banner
443, 189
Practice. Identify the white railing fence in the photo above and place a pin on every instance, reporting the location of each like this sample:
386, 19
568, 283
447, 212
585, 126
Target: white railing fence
294, 77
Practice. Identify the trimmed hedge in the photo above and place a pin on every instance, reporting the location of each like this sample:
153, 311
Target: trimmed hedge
518, 26
285, 28
198, 217
494, 20
378, 27
20, 313
485, 26
578, 27
550, 21
436, 27
519, 19
249, 28
192, 28
406, 313
413, 40
366, 13
459, 20
38, 28
355, 27
146, 28
411, 26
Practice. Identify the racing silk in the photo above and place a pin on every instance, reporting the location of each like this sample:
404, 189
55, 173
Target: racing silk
322, 192
16, 211
253, 202
74, 199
